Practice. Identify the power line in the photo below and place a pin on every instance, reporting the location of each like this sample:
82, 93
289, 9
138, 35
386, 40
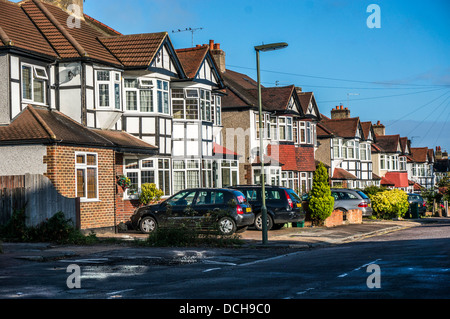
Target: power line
385, 96
337, 79
418, 108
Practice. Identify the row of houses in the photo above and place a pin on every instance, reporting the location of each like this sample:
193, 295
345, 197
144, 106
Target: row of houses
83, 105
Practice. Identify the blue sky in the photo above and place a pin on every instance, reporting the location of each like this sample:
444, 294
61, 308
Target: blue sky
401, 71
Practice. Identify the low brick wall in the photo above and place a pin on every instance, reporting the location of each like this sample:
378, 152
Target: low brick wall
354, 216
337, 218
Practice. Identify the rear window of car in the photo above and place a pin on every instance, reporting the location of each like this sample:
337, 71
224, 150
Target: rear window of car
415, 197
294, 195
240, 197
362, 195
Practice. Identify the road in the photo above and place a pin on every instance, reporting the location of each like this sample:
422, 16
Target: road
411, 263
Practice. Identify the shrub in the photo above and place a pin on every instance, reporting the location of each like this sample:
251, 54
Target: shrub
390, 203
56, 229
321, 202
149, 193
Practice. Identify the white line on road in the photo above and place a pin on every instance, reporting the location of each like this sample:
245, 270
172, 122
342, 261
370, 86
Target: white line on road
356, 269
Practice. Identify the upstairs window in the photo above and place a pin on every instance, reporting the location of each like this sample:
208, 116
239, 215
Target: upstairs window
138, 95
108, 86
162, 96
34, 84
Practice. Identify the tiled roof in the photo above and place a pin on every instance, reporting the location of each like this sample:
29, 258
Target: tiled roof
274, 98
41, 125
300, 159
419, 154
367, 128
192, 58
222, 151
285, 154
342, 174
388, 143
17, 30
134, 50
342, 127
399, 179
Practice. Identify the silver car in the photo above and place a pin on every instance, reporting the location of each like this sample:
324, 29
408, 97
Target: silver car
346, 199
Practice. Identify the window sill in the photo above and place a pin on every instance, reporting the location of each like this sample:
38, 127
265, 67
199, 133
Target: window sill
85, 200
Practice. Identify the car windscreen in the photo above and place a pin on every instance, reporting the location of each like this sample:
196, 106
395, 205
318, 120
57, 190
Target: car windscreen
362, 195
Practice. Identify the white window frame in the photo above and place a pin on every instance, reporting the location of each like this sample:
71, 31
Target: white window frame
115, 80
165, 91
34, 77
185, 169
138, 91
84, 166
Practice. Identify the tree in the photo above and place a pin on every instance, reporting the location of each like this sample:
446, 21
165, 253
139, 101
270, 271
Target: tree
321, 202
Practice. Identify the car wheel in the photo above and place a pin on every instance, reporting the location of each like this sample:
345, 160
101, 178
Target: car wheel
258, 222
148, 224
227, 226
341, 209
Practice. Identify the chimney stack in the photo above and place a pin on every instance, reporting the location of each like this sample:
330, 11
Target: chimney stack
74, 7
340, 113
379, 129
218, 55
438, 153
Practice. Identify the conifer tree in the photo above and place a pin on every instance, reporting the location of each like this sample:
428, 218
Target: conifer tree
321, 202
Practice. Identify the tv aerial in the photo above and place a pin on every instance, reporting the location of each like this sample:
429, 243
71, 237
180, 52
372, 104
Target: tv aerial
191, 30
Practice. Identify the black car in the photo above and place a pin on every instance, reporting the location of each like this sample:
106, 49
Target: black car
417, 199
198, 206
283, 205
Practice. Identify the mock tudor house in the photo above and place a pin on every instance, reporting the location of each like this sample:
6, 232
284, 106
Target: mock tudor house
345, 146
421, 167
289, 135
156, 110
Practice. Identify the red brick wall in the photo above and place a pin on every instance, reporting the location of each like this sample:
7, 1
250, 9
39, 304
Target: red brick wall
60, 162
354, 216
124, 207
305, 159
335, 219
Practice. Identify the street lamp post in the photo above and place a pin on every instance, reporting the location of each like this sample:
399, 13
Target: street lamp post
263, 48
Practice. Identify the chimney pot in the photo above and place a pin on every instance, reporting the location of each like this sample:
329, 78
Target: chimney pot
211, 44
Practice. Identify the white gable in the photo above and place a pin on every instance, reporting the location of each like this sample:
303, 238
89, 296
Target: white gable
311, 110
164, 60
206, 72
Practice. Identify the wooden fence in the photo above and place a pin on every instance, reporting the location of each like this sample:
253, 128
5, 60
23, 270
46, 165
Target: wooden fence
37, 195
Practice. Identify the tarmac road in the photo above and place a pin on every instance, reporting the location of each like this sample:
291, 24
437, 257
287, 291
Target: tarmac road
414, 262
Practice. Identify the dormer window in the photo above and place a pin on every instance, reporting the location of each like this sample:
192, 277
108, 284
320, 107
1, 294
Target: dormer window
34, 84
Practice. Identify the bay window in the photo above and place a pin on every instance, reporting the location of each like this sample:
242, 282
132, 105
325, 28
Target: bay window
138, 95
185, 174
337, 148
34, 84
150, 170
162, 94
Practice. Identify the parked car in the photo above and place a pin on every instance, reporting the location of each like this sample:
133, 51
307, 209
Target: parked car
416, 199
346, 199
283, 205
194, 207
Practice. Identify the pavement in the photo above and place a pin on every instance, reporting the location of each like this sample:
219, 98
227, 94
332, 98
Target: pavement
285, 238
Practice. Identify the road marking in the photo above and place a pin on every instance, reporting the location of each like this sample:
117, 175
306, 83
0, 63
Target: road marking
356, 269
118, 292
211, 269
269, 259
218, 262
